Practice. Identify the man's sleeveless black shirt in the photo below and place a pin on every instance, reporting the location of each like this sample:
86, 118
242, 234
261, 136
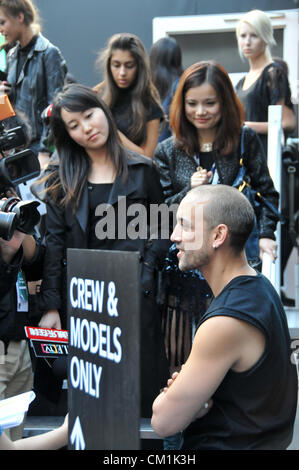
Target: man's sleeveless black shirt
254, 409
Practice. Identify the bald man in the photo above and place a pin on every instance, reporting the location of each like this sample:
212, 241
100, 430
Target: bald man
238, 388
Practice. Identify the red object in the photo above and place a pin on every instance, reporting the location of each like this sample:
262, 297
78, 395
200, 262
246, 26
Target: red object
47, 111
36, 333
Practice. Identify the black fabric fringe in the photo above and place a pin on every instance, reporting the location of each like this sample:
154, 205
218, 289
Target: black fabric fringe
185, 298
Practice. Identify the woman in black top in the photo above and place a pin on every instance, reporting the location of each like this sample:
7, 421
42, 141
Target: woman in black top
95, 169
207, 120
129, 92
165, 57
266, 83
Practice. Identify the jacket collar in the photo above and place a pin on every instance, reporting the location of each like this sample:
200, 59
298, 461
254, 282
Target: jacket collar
40, 45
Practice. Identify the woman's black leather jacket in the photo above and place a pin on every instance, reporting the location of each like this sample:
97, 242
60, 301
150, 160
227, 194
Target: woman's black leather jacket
34, 89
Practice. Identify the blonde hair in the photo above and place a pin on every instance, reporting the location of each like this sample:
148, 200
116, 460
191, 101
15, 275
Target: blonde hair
31, 16
262, 25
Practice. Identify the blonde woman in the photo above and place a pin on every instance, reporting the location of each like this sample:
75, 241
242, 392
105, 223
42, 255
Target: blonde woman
266, 82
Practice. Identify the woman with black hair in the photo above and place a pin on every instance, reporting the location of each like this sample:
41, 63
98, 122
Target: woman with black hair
94, 168
166, 66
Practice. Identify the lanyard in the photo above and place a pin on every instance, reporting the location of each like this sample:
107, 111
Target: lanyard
22, 293
214, 178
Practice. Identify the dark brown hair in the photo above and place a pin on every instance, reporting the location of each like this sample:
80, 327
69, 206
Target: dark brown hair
165, 57
227, 205
232, 111
143, 90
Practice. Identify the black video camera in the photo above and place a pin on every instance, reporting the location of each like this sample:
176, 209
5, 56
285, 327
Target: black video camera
15, 168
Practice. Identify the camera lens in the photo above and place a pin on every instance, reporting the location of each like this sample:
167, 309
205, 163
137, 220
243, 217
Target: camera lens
8, 223
25, 212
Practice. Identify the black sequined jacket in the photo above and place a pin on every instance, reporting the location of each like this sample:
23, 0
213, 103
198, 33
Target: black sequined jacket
176, 168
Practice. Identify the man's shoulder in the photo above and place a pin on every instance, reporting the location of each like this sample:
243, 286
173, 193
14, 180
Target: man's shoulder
232, 341
241, 287
219, 326
221, 338
251, 299
249, 287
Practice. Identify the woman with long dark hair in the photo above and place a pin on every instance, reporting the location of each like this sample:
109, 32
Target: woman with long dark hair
129, 92
207, 121
94, 168
166, 66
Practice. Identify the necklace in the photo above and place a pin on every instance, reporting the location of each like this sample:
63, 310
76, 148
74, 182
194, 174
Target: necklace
207, 147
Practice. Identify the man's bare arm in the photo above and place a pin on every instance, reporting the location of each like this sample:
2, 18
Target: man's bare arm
216, 349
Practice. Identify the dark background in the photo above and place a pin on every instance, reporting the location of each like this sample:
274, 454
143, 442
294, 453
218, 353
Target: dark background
80, 29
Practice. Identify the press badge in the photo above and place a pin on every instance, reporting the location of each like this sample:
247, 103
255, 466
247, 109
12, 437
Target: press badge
22, 293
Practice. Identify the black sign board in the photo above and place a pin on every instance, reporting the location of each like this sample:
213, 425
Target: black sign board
103, 345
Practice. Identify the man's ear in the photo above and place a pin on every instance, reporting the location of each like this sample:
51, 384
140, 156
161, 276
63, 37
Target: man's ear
220, 235
21, 17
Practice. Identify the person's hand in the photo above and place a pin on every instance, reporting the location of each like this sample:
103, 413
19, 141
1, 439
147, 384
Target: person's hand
203, 410
65, 422
5, 88
10, 192
43, 159
200, 177
10, 247
170, 381
269, 246
50, 319
63, 431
